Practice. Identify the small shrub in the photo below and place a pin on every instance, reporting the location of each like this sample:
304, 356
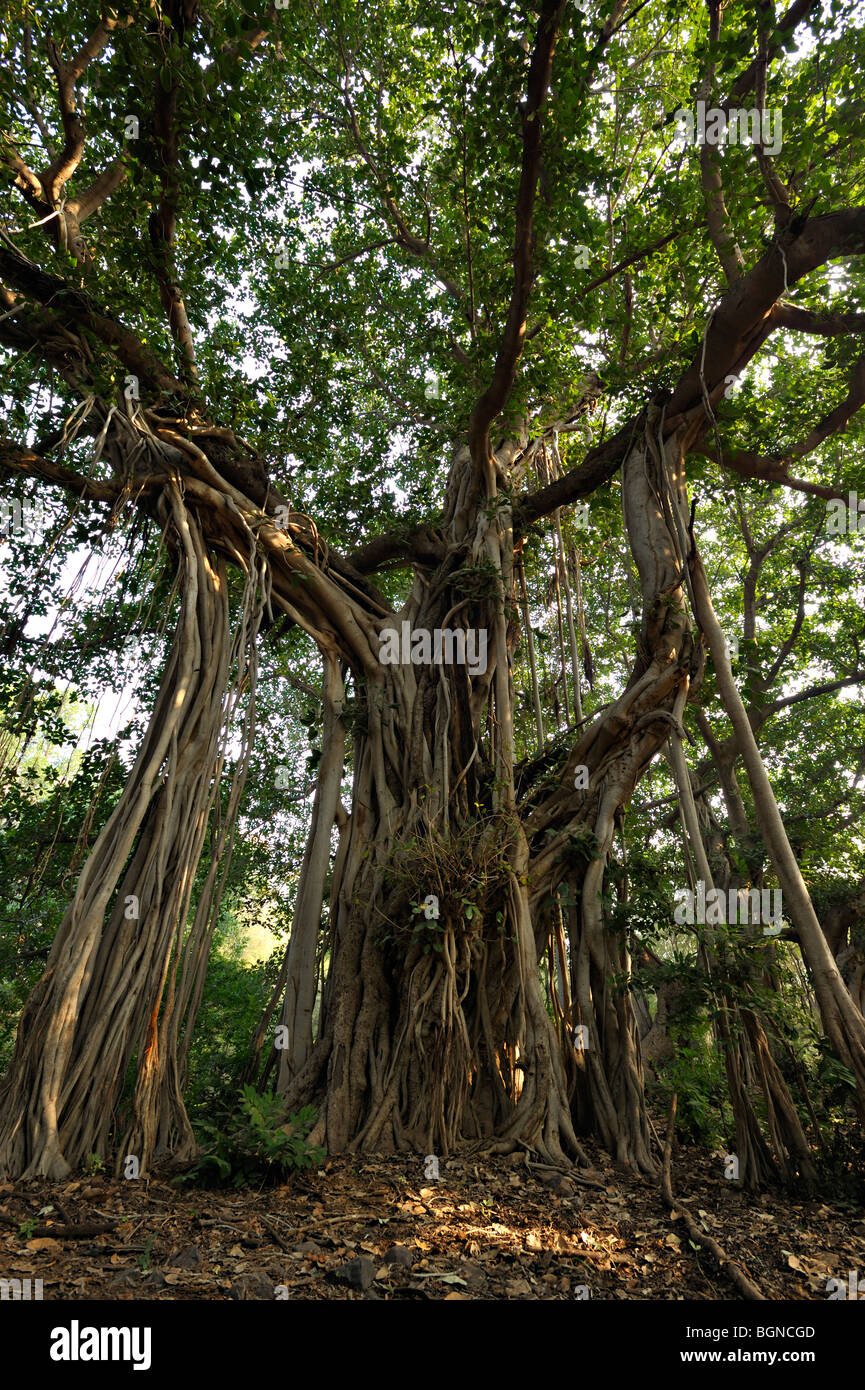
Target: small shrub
258, 1142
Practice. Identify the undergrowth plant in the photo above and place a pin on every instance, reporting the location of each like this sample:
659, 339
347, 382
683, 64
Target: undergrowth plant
254, 1143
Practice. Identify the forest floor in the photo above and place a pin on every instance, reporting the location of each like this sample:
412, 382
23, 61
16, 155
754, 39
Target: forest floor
377, 1228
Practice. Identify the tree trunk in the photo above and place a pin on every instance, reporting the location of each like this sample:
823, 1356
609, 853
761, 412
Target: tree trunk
436, 1031
98, 1004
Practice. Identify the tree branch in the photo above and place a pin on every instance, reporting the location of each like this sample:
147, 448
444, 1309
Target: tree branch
61, 169
624, 264
779, 198
163, 221
824, 325
717, 217
101, 188
15, 459
50, 290
493, 400
854, 679
787, 646
837, 419
747, 80
29, 102
421, 545
597, 467
769, 469
26, 327
740, 324
404, 238
25, 179
745, 316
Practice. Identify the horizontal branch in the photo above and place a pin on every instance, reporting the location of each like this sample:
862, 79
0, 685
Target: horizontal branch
598, 466
421, 545
16, 459
352, 255
48, 289
770, 469
102, 187
838, 419
254, 36
825, 325
744, 319
26, 328
774, 468
856, 678
627, 261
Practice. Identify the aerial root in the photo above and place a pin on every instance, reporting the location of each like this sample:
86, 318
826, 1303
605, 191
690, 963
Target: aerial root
727, 1266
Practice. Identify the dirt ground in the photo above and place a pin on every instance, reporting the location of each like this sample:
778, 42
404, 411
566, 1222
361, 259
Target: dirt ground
361, 1228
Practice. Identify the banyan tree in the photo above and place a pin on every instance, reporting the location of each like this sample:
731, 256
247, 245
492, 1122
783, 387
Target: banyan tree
465, 250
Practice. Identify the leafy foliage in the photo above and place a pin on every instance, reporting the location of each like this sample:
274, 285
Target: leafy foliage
256, 1142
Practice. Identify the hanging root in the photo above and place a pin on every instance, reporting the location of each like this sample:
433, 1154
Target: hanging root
98, 1006
728, 1266
436, 1024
